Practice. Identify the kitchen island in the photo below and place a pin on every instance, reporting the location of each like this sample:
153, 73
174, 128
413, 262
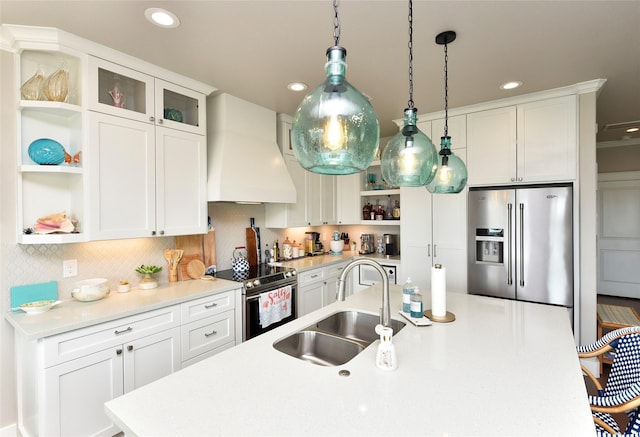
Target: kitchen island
502, 368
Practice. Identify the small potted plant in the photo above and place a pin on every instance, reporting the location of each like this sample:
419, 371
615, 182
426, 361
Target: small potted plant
148, 281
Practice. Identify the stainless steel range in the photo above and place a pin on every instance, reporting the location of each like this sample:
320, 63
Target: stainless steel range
264, 283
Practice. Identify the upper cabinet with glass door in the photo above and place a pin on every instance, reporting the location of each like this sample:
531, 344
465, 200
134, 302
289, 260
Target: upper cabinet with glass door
128, 93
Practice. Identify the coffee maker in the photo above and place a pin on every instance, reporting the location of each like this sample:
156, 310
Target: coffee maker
391, 244
312, 244
367, 244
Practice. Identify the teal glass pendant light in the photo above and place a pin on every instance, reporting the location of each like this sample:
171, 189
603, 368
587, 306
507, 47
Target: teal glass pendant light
410, 158
335, 129
451, 174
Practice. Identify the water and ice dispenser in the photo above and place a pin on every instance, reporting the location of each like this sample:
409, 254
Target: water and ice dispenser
490, 245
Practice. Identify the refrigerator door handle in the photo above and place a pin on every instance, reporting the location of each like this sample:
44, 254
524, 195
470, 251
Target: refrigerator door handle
510, 239
428, 250
522, 244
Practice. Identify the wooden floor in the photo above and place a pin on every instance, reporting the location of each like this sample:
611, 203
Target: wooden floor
622, 301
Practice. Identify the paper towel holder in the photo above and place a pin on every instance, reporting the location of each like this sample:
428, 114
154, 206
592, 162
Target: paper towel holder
447, 318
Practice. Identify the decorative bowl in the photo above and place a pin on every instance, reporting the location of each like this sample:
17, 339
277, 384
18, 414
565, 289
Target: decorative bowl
173, 114
45, 151
39, 306
336, 246
90, 290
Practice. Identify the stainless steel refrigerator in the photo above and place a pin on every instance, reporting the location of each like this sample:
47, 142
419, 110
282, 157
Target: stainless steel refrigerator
521, 243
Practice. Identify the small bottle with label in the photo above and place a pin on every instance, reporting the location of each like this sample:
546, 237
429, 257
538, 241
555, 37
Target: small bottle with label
407, 291
416, 304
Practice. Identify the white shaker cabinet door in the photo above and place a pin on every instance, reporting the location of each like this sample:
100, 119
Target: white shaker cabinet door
181, 182
150, 358
122, 172
76, 391
547, 145
491, 146
416, 246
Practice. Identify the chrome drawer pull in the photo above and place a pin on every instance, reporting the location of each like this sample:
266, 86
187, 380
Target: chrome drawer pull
211, 305
129, 329
210, 333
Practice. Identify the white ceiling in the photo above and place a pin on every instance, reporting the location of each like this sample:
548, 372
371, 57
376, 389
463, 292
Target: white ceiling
252, 49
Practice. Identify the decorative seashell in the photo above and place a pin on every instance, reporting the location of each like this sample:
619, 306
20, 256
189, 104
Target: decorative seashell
30, 90
56, 87
46, 151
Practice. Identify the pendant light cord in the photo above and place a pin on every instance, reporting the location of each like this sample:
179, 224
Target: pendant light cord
410, 45
336, 24
446, 90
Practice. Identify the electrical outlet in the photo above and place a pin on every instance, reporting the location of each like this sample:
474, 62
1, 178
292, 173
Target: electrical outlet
69, 268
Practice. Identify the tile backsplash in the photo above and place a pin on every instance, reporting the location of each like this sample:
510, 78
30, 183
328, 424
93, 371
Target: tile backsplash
117, 259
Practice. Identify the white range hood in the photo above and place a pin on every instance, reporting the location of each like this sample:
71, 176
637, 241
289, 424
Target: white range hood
244, 161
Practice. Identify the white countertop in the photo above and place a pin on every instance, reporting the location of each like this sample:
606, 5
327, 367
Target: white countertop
502, 368
310, 262
72, 314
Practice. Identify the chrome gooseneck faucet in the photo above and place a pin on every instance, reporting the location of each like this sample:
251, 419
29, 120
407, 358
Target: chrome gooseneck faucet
385, 314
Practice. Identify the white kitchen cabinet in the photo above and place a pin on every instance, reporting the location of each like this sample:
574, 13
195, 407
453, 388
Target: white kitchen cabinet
209, 325
144, 98
437, 234
46, 189
311, 290
283, 131
333, 273
318, 287
160, 101
530, 142
320, 199
348, 210
64, 379
145, 180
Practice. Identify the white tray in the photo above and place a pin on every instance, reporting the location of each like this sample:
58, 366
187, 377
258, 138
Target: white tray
417, 322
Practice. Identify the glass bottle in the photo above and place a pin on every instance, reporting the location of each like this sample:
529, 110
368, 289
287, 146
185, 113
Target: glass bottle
276, 251
416, 304
396, 210
407, 291
366, 211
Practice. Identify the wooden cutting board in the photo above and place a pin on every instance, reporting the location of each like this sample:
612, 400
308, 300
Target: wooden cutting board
209, 243
192, 246
183, 272
252, 247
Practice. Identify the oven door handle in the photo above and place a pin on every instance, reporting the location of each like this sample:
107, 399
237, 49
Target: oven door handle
256, 296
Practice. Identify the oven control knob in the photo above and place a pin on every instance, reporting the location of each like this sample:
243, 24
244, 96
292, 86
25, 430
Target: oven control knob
248, 284
295, 272
256, 282
287, 275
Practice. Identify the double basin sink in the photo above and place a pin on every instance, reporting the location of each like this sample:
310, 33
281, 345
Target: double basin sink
334, 340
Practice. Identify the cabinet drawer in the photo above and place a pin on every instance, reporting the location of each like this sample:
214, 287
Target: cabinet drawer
335, 270
74, 344
207, 306
207, 334
311, 276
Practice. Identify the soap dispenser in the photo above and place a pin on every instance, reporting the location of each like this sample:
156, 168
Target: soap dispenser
386, 358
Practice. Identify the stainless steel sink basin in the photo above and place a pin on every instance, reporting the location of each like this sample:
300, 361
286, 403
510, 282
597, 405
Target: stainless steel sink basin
355, 325
334, 340
318, 348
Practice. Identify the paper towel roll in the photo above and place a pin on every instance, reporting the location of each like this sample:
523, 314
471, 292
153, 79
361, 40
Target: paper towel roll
438, 291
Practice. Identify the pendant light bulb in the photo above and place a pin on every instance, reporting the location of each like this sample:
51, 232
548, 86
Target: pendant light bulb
335, 135
335, 129
410, 158
451, 173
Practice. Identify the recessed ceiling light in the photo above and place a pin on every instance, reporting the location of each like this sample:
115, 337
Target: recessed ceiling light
162, 17
633, 129
511, 85
297, 86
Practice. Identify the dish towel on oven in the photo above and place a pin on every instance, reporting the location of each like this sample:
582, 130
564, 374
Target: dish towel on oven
275, 305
